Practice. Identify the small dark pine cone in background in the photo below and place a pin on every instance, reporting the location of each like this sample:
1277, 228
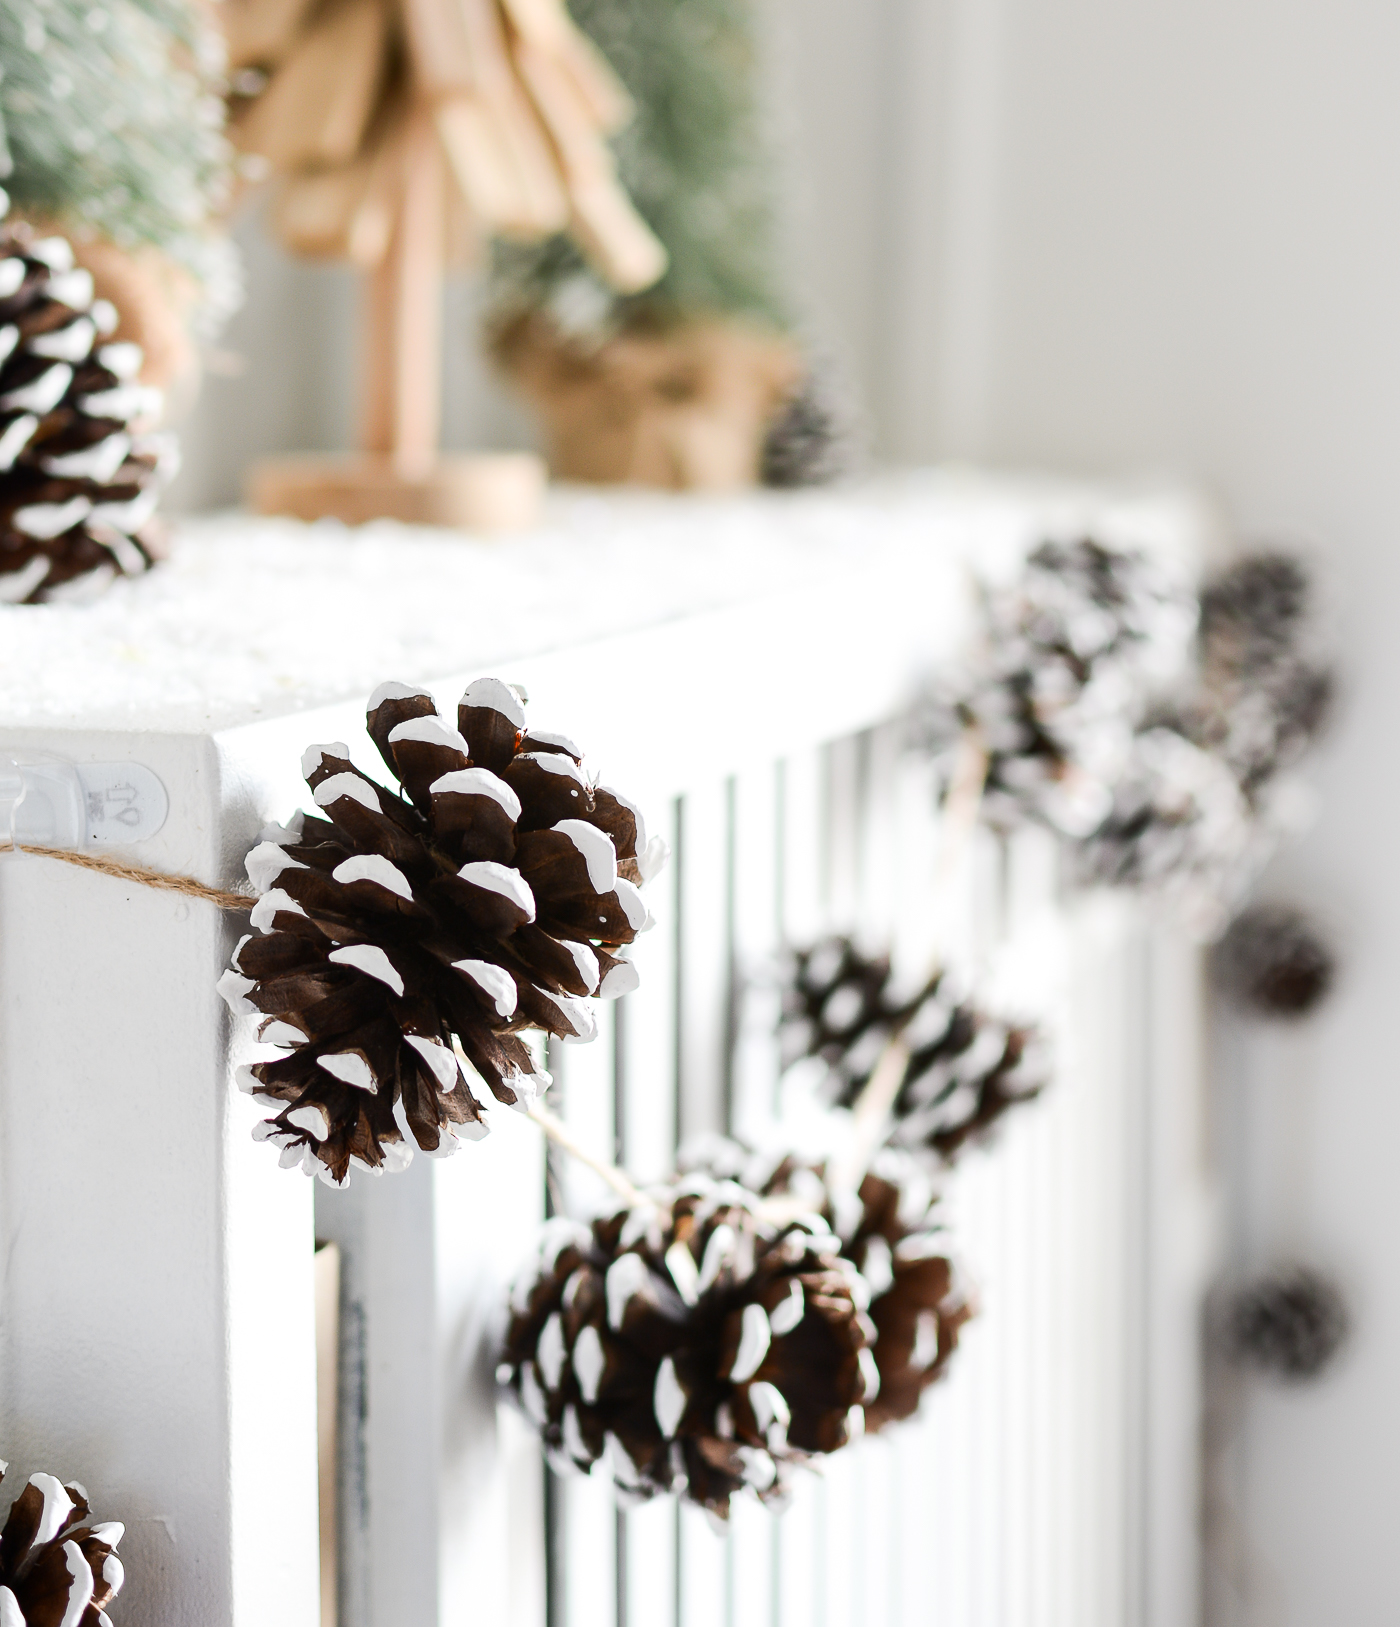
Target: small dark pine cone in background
893, 1234
967, 1066
493, 897
695, 1346
1075, 647
81, 467
1290, 1323
57, 1568
1275, 960
813, 440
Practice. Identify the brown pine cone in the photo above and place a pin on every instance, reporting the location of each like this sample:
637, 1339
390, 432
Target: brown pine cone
493, 897
698, 1347
893, 1234
967, 1066
80, 469
57, 1569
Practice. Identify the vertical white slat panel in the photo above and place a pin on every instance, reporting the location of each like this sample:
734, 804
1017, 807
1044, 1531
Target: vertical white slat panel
704, 1569
750, 1578
649, 1587
647, 1055
704, 980
757, 930
584, 1099
840, 829
801, 1596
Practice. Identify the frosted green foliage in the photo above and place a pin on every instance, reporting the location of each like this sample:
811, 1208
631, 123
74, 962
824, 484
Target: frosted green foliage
110, 123
697, 162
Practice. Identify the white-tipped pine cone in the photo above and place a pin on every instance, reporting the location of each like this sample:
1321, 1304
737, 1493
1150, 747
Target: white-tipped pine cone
1074, 650
81, 468
697, 1347
967, 1066
57, 1568
893, 1233
493, 897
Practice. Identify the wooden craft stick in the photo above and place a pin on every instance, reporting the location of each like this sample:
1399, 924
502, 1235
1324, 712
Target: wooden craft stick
319, 104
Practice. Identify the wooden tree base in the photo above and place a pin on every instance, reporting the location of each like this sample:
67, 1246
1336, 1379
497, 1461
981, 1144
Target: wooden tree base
482, 491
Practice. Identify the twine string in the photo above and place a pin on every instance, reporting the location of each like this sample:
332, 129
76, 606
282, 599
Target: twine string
142, 875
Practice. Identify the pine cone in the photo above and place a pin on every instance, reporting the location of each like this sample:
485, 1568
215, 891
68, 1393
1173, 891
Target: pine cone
56, 1568
1074, 650
892, 1233
966, 1066
80, 471
1275, 960
492, 898
697, 1347
1291, 1323
812, 441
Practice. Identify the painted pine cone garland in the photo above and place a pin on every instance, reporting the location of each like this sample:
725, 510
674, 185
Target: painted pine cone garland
57, 1568
493, 897
967, 1066
80, 466
893, 1234
696, 1347
1075, 647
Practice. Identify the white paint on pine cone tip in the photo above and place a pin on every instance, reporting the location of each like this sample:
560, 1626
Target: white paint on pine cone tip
760, 1471
769, 1406
550, 1352
370, 959
668, 1399
17, 585
312, 756
431, 731
122, 360
719, 1252
680, 1262
312, 1119
585, 962
920, 1246
642, 1221
555, 742
633, 905
627, 1276
598, 852
477, 782
346, 785
578, 1014
45, 521
497, 697
755, 1336
71, 343
233, 988
878, 1266
278, 1031
502, 879
81, 1587
574, 1443
266, 862
619, 980
72, 288
264, 913
588, 1362
57, 1506
109, 1531
376, 868
925, 1351
619, 1458
438, 1057
392, 690
113, 1573
870, 1373
98, 462
494, 982
532, 1396
788, 1312
351, 1068
17, 435
43, 394
246, 1080
54, 252
11, 276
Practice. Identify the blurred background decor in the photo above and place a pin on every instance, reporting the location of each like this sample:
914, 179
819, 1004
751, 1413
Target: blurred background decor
402, 136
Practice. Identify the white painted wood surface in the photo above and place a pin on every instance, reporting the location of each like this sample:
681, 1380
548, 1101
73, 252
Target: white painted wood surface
1046, 1483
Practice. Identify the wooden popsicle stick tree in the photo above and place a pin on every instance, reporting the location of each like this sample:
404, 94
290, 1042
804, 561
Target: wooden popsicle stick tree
402, 134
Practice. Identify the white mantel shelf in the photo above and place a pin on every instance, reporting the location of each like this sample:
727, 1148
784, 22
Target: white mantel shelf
256, 618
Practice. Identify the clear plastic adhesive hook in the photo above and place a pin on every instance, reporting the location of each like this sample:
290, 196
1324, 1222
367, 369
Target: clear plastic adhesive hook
48, 802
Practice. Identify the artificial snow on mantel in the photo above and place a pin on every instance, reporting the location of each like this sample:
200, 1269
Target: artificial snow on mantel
254, 618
